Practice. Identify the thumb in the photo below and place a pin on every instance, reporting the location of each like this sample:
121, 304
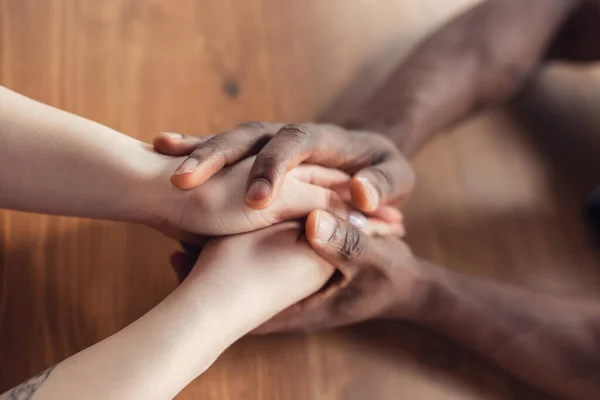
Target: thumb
389, 182
337, 241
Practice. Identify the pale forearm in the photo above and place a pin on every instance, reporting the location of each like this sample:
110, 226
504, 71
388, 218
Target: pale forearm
153, 358
481, 57
55, 162
233, 289
551, 342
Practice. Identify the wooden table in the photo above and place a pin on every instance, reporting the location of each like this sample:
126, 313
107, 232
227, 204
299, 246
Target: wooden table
489, 200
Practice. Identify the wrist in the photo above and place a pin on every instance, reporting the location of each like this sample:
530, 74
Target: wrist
152, 188
404, 123
417, 291
205, 329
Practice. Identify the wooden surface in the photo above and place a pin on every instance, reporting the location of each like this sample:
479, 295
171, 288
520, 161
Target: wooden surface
488, 201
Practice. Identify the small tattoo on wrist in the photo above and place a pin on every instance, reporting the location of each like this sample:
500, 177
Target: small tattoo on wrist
27, 389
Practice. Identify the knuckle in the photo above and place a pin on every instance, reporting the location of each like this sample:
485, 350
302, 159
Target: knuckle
254, 134
378, 157
217, 142
267, 157
254, 126
379, 143
299, 132
197, 154
353, 245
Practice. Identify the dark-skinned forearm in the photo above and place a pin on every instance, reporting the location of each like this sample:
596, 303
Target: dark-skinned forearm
551, 342
481, 57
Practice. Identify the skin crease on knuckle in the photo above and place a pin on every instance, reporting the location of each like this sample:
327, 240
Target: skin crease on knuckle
205, 150
217, 142
293, 140
377, 157
255, 128
300, 132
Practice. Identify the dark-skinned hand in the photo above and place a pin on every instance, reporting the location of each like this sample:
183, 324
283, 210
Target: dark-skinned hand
376, 277
381, 175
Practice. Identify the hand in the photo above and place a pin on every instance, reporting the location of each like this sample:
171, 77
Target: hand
381, 174
257, 274
376, 278
218, 208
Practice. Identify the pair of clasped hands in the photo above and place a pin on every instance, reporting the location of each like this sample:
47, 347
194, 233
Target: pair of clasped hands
306, 214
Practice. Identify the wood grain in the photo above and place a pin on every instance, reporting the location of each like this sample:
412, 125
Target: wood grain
489, 201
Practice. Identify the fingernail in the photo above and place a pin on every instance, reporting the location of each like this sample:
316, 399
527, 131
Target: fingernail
372, 194
172, 135
187, 167
326, 227
357, 219
258, 192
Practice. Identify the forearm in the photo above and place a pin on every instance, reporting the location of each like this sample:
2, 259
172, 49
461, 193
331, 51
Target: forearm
55, 162
551, 342
233, 288
481, 57
153, 358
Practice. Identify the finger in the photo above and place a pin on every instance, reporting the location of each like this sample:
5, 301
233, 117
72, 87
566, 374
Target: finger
321, 176
176, 144
218, 151
388, 182
377, 227
303, 198
331, 178
388, 214
338, 242
386, 176
291, 145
